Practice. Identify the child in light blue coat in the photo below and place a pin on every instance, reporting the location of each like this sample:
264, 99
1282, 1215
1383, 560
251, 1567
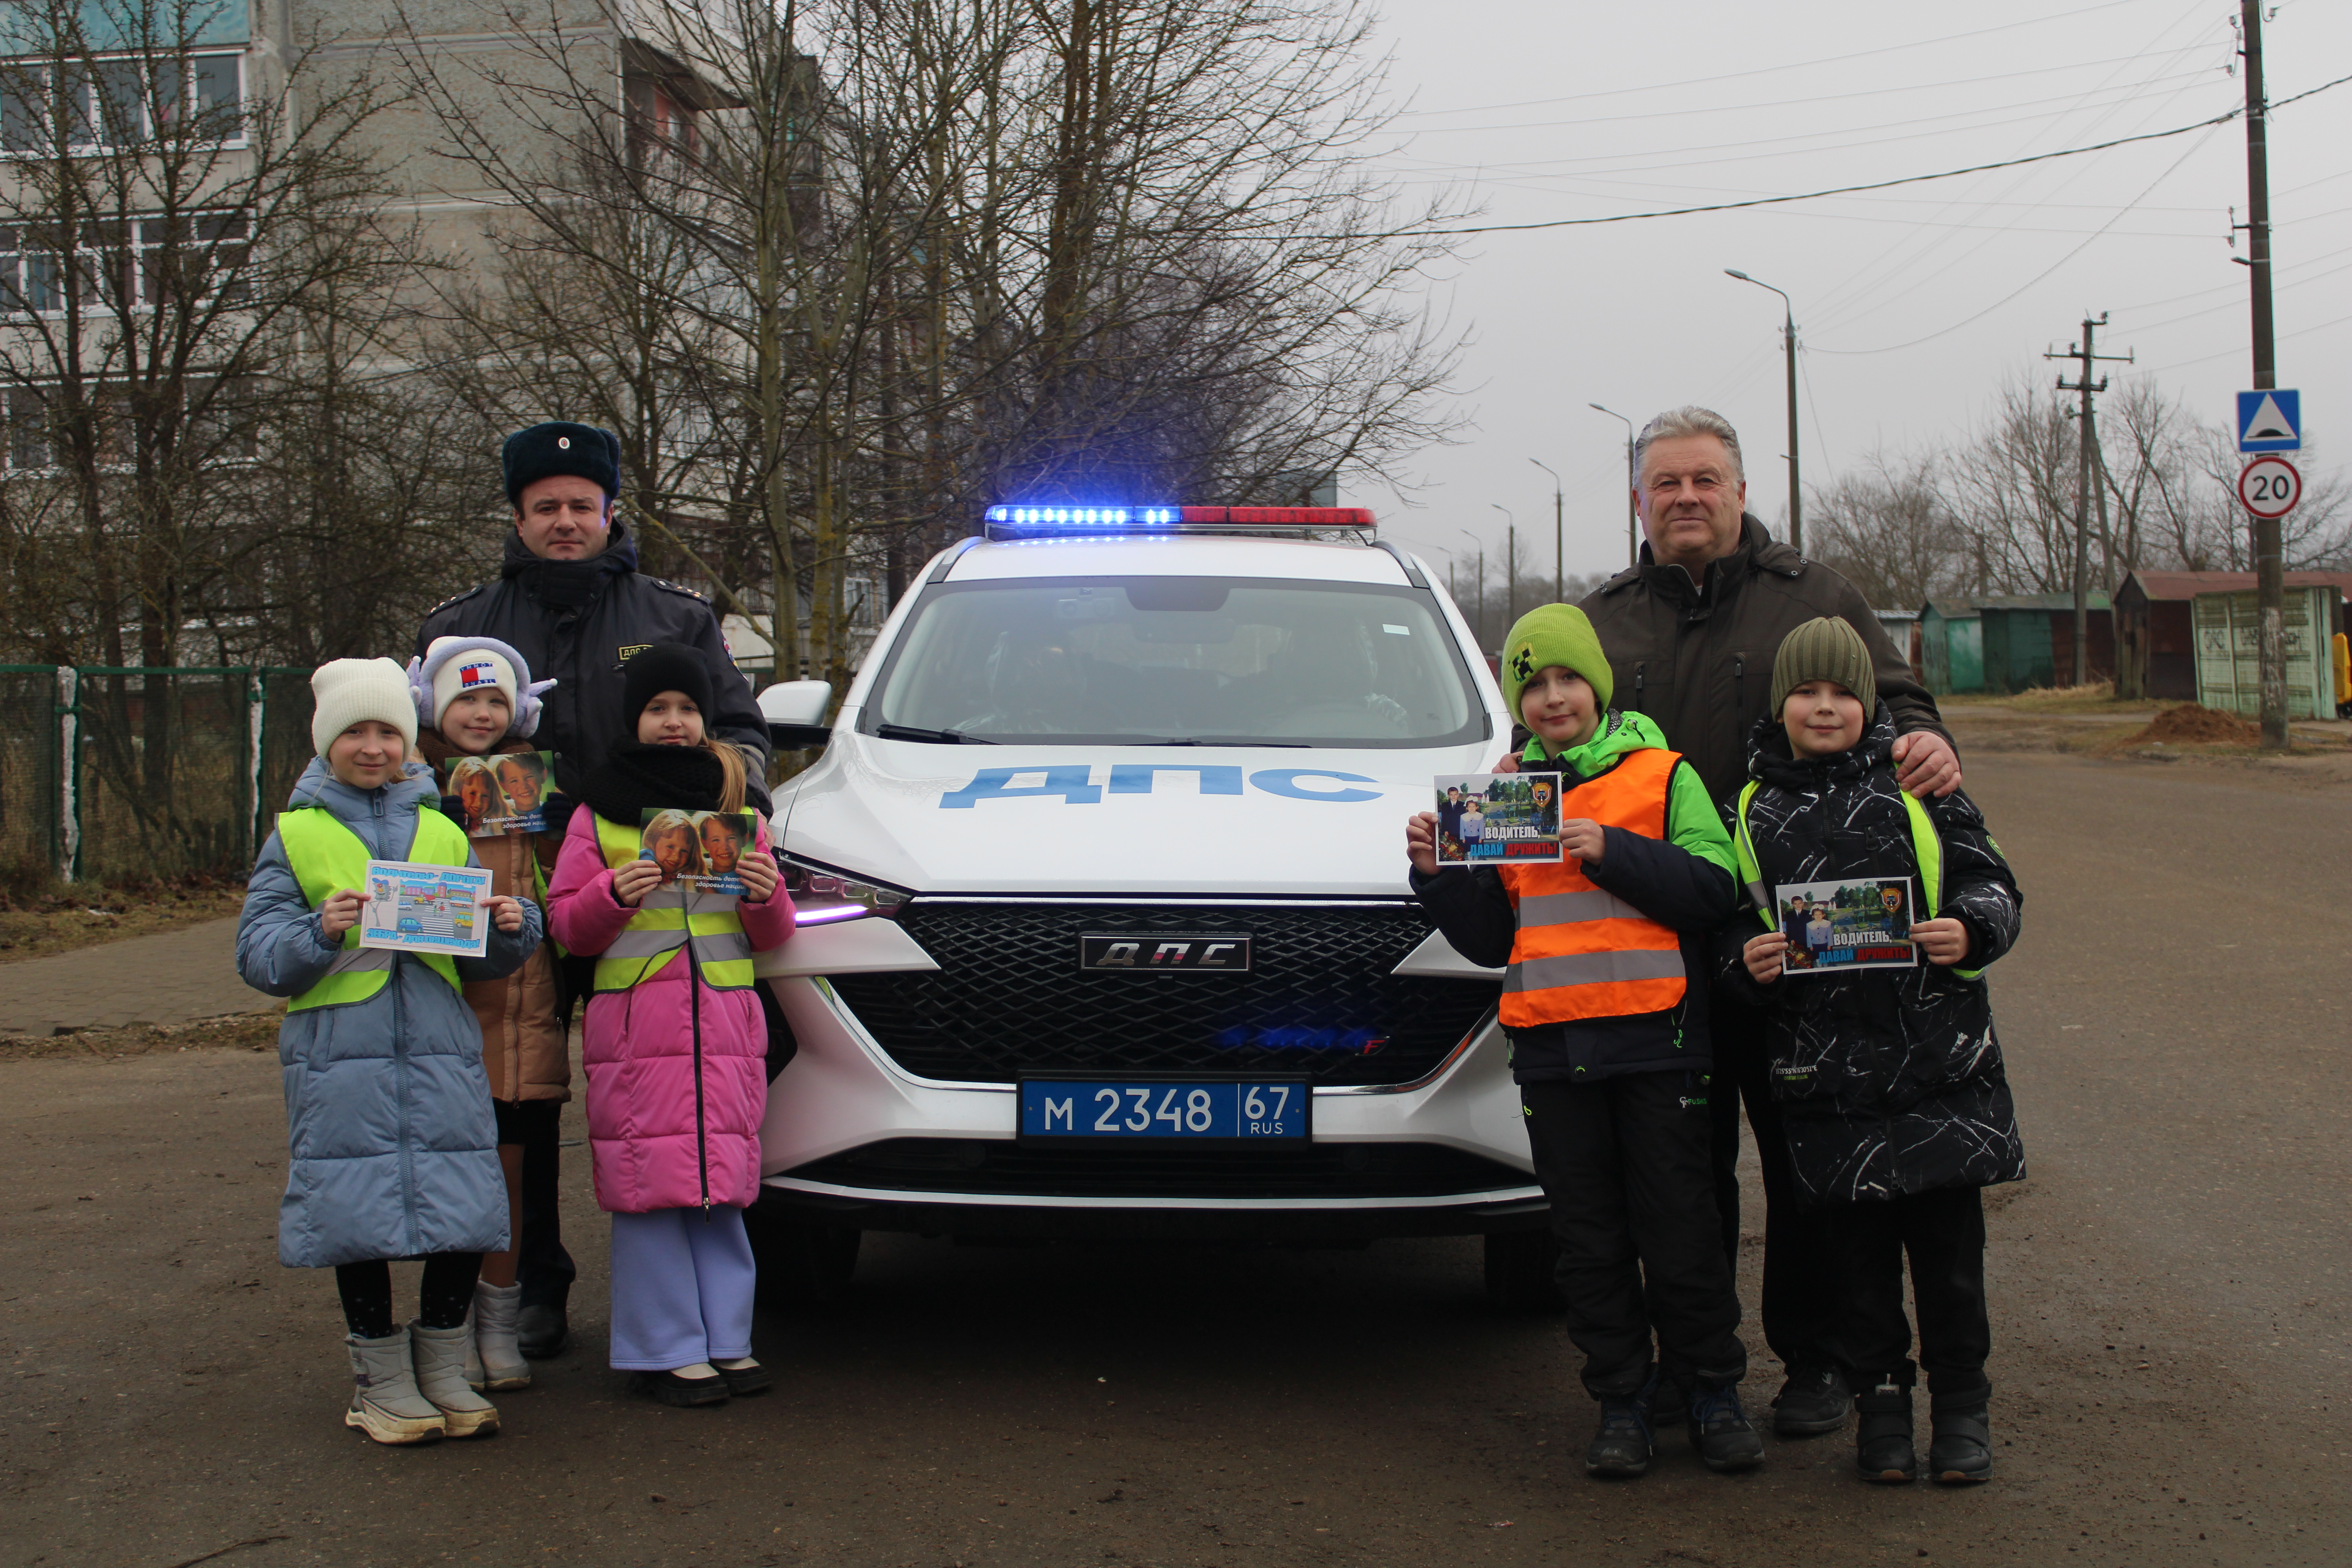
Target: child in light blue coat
393, 1151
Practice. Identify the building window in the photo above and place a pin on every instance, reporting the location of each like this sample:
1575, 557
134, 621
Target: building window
123, 101
138, 265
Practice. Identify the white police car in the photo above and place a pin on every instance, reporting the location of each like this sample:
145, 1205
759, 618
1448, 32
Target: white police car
1103, 925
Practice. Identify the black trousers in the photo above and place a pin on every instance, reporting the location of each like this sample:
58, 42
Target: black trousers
1624, 1164
1799, 1255
1943, 1233
544, 1269
443, 1295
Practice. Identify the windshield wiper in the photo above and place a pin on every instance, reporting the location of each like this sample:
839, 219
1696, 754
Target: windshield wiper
1218, 741
932, 737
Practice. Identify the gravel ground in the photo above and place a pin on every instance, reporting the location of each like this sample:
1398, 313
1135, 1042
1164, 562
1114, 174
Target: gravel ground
2171, 1293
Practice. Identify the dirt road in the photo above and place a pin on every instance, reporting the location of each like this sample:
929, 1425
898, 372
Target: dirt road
2173, 1290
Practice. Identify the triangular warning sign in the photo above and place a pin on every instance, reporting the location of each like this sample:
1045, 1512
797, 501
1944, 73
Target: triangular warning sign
2268, 423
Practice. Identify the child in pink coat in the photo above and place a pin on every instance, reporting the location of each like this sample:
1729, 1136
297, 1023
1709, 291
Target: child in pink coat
676, 1044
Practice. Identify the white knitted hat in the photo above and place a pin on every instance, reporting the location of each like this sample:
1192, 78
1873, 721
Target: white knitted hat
351, 689
454, 665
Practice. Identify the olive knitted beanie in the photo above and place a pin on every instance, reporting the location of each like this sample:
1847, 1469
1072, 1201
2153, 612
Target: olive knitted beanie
1549, 635
1824, 649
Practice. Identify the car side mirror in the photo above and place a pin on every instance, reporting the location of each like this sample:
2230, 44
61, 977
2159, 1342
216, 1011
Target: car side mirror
794, 710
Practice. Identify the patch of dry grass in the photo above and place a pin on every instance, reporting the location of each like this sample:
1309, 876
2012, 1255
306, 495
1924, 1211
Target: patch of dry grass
78, 917
245, 1032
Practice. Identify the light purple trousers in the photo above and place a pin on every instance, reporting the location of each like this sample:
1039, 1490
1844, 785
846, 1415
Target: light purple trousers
682, 1283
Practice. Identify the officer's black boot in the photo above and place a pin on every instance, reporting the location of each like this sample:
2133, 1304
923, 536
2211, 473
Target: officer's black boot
1621, 1447
1881, 1437
1813, 1400
1961, 1452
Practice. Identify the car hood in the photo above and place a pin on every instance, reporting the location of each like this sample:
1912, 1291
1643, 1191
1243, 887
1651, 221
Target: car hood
1205, 820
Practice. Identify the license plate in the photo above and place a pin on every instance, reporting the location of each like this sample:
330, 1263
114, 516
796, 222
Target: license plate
1245, 1109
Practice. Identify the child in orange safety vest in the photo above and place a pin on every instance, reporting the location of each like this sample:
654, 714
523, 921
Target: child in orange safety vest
1604, 956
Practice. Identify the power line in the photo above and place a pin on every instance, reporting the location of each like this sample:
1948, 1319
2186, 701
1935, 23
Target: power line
2223, 119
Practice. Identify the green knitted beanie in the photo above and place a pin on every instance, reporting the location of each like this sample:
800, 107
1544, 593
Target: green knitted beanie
1549, 635
1825, 649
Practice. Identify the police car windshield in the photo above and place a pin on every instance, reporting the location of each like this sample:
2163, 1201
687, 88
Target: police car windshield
1199, 661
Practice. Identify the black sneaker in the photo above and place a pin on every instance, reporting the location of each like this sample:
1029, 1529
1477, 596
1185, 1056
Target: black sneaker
541, 1328
1961, 1452
1720, 1431
1882, 1436
1812, 1401
1621, 1447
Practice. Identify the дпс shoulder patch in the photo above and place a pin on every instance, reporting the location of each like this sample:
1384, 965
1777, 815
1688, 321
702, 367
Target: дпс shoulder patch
680, 588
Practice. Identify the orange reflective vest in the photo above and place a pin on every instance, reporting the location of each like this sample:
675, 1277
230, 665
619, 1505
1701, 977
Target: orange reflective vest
1582, 951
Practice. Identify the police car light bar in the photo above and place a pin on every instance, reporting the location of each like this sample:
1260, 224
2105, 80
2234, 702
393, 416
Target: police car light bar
1121, 519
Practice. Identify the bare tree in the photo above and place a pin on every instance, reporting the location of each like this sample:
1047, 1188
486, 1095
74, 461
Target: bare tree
1890, 531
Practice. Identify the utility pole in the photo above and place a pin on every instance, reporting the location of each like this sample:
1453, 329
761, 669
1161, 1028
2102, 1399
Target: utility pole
1558, 558
1633, 485
2270, 579
2086, 432
1789, 340
1510, 567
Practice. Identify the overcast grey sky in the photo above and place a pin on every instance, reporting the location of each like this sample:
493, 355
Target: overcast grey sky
1912, 305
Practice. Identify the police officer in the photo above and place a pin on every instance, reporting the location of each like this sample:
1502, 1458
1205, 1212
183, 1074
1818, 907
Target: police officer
571, 600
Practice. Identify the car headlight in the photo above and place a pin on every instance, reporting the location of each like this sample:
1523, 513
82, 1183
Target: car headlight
821, 895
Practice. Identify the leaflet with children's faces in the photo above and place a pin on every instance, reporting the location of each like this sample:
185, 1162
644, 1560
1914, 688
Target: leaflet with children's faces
1833, 927
413, 908
1498, 819
505, 792
697, 849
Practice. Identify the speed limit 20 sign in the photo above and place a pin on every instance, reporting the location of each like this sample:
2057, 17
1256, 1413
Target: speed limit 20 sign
2269, 487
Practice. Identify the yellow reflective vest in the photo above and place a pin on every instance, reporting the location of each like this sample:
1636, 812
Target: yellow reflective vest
326, 855
664, 923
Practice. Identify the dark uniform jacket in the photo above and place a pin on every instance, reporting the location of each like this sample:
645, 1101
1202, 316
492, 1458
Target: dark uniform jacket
576, 621
1889, 1080
1697, 657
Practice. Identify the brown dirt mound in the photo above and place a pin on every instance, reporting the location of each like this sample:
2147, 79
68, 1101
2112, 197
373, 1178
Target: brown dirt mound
2194, 724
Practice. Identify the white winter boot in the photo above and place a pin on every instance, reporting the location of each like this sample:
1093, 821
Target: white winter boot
386, 1404
493, 1359
440, 1356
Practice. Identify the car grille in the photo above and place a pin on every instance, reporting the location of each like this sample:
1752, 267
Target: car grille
985, 1167
1318, 1002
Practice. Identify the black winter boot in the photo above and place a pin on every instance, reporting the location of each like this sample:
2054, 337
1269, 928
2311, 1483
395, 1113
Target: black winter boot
1961, 1452
1881, 1437
1720, 1430
1813, 1400
1621, 1447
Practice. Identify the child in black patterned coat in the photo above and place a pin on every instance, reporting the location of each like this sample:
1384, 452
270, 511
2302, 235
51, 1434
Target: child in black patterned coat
1890, 1079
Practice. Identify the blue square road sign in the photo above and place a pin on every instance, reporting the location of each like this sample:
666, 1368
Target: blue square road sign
2269, 421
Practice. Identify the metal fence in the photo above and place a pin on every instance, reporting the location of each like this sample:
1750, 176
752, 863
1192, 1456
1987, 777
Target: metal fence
123, 775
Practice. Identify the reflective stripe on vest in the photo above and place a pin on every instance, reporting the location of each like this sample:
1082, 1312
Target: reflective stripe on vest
662, 925
1580, 951
1927, 850
325, 854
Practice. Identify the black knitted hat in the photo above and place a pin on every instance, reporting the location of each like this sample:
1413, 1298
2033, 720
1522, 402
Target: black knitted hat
562, 448
665, 666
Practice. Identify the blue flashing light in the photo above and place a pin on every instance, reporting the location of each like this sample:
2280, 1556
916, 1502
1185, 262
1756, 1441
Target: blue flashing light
1087, 516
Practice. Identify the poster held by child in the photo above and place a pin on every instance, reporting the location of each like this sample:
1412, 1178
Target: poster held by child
389, 1155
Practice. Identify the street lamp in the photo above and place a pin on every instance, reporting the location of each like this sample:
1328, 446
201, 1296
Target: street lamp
1633, 484
1479, 627
1558, 575
1789, 335
1510, 565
